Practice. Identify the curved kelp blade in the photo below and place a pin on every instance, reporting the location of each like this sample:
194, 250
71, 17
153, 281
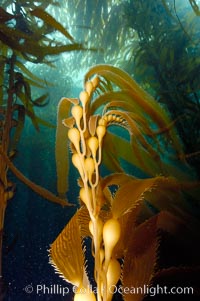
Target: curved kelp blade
61, 148
33, 83
31, 46
113, 74
138, 140
117, 179
66, 253
140, 259
169, 194
31, 75
159, 193
41, 101
123, 100
26, 100
137, 96
48, 19
121, 103
127, 221
109, 158
118, 150
36, 188
129, 194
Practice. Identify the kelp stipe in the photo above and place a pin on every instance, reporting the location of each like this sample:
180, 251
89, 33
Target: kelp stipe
112, 207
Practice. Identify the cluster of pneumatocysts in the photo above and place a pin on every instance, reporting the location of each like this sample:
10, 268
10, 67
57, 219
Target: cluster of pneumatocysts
86, 157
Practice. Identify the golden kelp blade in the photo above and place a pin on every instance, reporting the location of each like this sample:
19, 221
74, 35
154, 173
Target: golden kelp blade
130, 194
66, 253
136, 95
116, 150
141, 256
127, 221
140, 259
158, 192
61, 149
84, 219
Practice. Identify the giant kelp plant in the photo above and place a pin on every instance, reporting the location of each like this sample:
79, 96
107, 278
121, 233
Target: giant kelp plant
118, 211
25, 30
162, 53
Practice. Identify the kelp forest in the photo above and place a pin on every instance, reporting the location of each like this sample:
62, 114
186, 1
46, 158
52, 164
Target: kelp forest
99, 150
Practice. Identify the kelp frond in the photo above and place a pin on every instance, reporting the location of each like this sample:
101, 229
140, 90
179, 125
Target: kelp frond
127, 105
36, 188
119, 203
62, 250
48, 19
61, 151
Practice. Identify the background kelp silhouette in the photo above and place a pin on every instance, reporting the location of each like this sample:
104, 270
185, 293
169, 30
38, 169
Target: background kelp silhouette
23, 40
115, 206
